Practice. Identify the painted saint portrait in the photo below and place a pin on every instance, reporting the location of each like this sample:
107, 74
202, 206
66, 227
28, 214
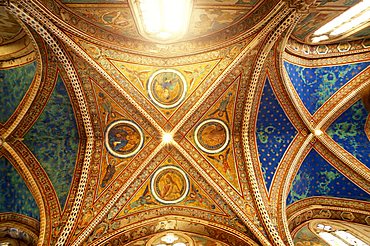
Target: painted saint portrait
123, 138
167, 88
212, 136
169, 184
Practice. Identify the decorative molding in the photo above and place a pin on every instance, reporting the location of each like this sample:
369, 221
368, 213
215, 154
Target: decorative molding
302, 6
36, 192
64, 60
307, 209
4, 3
308, 51
235, 204
173, 222
348, 159
23, 224
292, 18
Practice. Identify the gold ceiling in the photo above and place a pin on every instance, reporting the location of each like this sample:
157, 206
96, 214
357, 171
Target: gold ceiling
86, 137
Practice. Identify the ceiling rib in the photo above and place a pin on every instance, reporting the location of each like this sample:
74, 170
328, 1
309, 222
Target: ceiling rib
71, 73
68, 41
34, 189
223, 194
357, 166
288, 179
86, 232
291, 16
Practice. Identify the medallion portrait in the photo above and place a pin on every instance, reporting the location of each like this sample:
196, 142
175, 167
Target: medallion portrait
123, 138
169, 185
167, 88
212, 136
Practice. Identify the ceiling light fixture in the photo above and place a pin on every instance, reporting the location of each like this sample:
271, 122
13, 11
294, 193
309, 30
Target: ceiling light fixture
320, 38
167, 138
169, 238
318, 132
162, 20
179, 244
351, 19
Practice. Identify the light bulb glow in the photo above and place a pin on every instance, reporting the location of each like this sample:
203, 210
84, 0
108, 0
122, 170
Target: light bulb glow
318, 132
319, 38
352, 24
347, 21
169, 238
163, 20
167, 137
179, 244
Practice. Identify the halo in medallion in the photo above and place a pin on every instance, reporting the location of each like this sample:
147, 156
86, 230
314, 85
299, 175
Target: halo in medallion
167, 88
123, 138
212, 136
169, 185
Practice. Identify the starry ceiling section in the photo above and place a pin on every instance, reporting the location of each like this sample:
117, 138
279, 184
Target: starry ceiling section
316, 85
316, 177
14, 84
54, 140
15, 195
127, 98
274, 133
350, 132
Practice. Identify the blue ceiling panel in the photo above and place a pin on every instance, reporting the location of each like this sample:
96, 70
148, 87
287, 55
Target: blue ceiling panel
316, 177
316, 85
274, 133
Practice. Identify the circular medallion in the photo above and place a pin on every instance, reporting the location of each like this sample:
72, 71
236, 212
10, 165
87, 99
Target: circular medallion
167, 88
169, 185
123, 138
212, 136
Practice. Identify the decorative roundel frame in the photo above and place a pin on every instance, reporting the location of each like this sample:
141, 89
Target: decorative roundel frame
221, 148
113, 152
150, 93
153, 180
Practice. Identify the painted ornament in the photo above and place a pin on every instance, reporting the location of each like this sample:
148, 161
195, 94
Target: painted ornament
123, 138
212, 136
169, 185
167, 88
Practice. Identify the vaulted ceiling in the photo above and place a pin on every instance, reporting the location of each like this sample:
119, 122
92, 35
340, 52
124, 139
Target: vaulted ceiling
269, 130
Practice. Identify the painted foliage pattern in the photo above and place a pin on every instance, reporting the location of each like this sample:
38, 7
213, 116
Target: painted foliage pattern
316, 85
111, 18
349, 132
316, 177
54, 140
274, 133
13, 86
15, 195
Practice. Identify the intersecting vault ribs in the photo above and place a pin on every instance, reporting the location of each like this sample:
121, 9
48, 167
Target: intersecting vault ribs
161, 145
128, 95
